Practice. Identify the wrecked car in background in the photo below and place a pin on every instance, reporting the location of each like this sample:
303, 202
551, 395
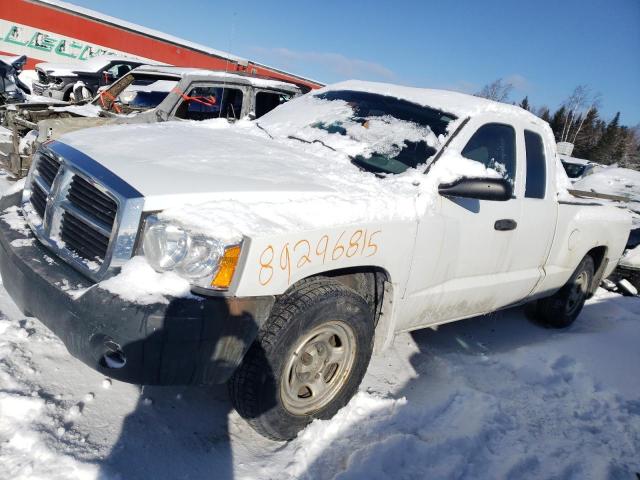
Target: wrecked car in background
145, 95
275, 254
12, 89
578, 168
56, 80
621, 187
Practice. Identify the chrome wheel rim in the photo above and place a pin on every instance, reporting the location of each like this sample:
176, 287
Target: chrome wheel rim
578, 292
318, 368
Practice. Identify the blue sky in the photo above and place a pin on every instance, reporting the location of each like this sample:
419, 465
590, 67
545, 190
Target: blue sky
545, 48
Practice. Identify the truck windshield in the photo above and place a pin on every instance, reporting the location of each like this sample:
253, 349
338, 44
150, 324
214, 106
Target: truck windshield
145, 94
135, 92
380, 134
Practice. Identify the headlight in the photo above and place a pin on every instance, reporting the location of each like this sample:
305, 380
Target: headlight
203, 261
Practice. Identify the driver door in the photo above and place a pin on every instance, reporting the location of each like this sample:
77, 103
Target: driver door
463, 252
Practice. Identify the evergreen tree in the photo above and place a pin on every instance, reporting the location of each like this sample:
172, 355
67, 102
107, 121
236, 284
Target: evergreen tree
557, 122
525, 104
587, 135
607, 146
544, 114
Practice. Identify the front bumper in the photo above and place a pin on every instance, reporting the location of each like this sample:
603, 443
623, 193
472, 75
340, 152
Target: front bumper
196, 340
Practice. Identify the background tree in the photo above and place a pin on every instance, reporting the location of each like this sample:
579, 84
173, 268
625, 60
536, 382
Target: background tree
498, 90
578, 121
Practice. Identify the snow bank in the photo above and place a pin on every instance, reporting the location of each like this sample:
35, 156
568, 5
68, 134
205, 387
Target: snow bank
36, 430
15, 187
15, 220
615, 181
490, 397
494, 397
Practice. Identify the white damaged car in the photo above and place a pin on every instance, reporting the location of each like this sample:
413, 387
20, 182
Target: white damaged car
276, 255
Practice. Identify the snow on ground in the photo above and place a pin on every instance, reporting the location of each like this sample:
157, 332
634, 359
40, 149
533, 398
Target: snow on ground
491, 397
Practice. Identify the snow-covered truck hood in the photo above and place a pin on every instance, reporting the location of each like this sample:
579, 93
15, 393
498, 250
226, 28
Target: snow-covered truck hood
234, 180
190, 162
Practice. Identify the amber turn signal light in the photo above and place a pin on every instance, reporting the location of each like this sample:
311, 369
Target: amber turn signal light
228, 264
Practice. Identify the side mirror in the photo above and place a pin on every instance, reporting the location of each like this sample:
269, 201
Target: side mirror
19, 62
497, 189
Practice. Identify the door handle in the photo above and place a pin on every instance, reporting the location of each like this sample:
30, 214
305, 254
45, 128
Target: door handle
505, 224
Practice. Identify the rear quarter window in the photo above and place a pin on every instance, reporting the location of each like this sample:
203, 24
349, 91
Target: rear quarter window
536, 165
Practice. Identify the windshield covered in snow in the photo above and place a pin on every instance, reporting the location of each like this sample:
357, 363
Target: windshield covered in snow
380, 134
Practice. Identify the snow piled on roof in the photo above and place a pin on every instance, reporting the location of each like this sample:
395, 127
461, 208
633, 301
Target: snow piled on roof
460, 104
219, 75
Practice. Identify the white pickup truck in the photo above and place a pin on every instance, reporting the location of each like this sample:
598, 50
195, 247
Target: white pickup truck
276, 254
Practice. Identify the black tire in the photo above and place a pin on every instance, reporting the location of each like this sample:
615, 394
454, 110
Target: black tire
562, 308
255, 387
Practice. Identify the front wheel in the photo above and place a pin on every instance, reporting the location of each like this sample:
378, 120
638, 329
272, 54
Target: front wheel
561, 309
308, 360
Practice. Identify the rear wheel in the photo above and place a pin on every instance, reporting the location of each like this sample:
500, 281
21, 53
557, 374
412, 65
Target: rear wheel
308, 360
561, 309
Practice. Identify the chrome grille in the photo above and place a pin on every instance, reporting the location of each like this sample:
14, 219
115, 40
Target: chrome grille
82, 238
87, 221
81, 211
92, 201
48, 169
39, 199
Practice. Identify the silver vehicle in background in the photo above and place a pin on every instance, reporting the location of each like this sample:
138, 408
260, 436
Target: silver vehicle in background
146, 94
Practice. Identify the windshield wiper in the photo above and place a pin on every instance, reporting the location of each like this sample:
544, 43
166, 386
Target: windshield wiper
264, 130
292, 137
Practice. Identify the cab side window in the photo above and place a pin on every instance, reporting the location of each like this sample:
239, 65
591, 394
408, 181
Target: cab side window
118, 70
203, 103
267, 101
536, 165
494, 145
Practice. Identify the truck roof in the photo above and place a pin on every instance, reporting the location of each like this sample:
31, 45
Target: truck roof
235, 77
460, 104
